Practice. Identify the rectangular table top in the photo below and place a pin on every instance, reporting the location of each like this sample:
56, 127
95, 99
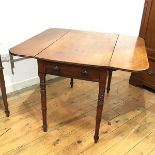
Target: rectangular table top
86, 48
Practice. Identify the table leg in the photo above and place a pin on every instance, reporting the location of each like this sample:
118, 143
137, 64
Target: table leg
71, 82
42, 77
102, 86
4, 96
109, 80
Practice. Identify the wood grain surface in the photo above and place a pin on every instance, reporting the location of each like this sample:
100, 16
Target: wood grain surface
80, 47
36, 44
86, 48
130, 54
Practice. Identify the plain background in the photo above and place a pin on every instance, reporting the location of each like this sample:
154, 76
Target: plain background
22, 19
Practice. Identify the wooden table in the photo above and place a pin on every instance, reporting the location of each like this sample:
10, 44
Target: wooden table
82, 55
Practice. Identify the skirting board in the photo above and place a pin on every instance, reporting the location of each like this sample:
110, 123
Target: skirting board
26, 83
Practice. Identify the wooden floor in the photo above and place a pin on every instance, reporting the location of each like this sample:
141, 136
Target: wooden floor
127, 127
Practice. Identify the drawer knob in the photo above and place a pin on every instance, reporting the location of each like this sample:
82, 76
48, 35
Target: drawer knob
84, 73
56, 68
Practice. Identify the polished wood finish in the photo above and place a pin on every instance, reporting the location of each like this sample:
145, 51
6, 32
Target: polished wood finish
38, 43
130, 54
102, 86
86, 48
82, 55
147, 31
66, 70
80, 47
3, 89
42, 77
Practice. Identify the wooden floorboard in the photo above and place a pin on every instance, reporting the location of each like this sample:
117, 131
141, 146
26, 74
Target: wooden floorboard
127, 126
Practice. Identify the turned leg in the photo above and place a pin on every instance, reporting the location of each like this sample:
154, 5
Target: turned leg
102, 86
43, 99
109, 80
71, 82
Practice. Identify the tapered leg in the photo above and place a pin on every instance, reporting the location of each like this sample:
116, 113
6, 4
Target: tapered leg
43, 99
102, 86
109, 80
12, 63
3, 90
71, 82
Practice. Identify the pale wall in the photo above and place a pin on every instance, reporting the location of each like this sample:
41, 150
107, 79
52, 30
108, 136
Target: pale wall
21, 19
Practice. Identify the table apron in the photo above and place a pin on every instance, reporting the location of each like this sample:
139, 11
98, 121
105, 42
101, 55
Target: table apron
69, 70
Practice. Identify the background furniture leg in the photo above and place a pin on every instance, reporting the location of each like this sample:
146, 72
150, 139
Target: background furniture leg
102, 86
109, 80
42, 77
71, 82
4, 96
3, 90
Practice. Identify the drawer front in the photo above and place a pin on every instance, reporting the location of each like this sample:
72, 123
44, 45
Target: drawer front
149, 75
72, 71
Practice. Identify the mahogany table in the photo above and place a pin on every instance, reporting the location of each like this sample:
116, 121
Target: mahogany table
82, 55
